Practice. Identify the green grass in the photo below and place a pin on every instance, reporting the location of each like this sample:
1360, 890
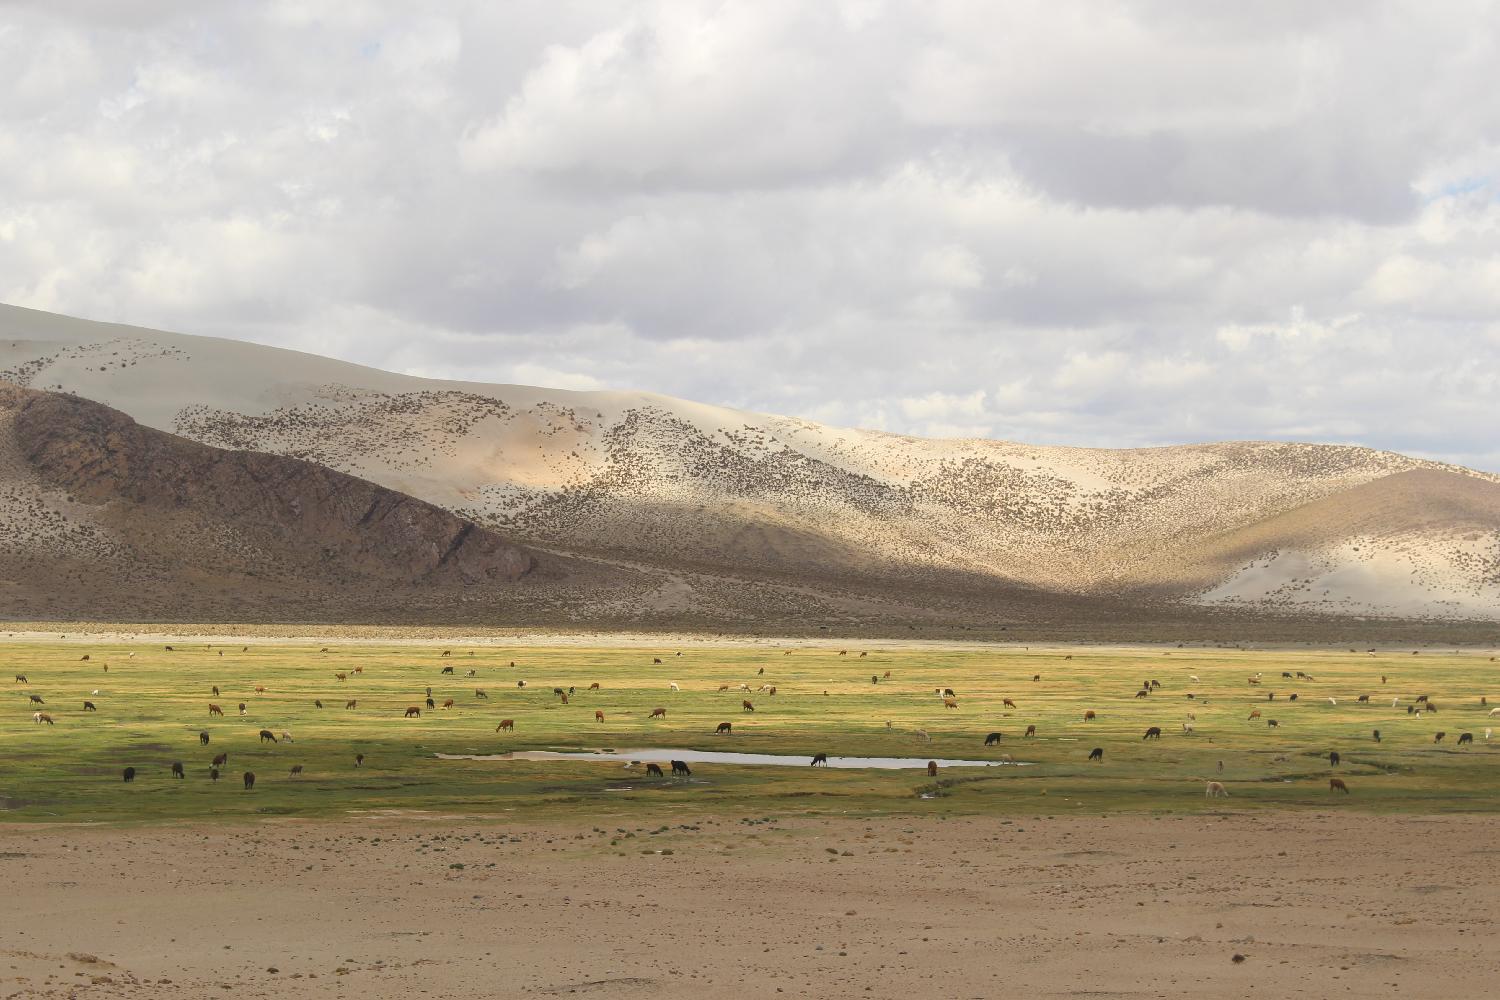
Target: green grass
152, 705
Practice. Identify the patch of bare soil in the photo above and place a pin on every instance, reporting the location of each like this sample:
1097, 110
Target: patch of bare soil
1202, 906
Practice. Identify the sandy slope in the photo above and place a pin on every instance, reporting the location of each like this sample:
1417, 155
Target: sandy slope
100, 514
1404, 545
1318, 905
676, 484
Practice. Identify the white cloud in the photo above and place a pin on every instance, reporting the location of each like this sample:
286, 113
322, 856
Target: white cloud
943, 406
1050, 220
951, 267
528, 374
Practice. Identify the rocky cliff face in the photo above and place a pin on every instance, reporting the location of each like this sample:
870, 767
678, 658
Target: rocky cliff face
293, 511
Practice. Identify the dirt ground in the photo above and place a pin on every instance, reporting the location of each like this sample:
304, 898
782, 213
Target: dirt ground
396, 906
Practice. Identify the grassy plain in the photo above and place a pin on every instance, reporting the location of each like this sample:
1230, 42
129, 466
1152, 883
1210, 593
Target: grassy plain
152, 703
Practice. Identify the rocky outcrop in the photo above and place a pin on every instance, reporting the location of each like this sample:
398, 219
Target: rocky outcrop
306, 514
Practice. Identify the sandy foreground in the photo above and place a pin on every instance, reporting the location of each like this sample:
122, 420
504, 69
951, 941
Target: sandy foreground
1319, 906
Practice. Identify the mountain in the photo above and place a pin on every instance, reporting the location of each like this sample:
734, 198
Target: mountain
94, 502
1416, 543
793, 519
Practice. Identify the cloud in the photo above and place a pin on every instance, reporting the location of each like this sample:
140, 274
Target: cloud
1053, 221
691, 95
942, 405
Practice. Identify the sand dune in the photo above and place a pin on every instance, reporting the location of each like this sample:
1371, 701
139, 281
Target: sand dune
681, 487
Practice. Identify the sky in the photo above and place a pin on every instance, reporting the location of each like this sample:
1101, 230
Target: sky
1058, 222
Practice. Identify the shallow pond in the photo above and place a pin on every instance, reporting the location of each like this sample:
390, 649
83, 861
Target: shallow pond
723, 757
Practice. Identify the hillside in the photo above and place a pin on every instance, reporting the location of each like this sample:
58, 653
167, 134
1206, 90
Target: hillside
100, 510
652, 484
1414, 543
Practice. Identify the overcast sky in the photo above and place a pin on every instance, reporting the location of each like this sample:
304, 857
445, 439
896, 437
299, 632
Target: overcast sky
1082, 223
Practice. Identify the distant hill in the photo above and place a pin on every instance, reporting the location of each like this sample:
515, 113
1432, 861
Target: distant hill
705, 501
116, 513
